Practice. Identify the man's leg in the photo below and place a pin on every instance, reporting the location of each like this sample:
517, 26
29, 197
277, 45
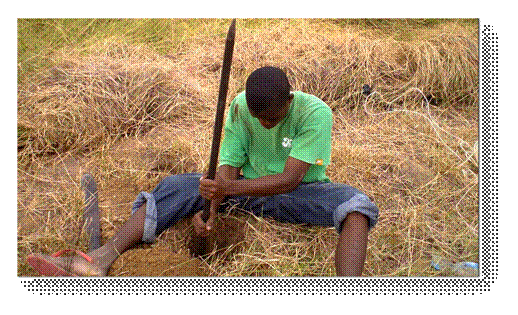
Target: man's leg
352, 245
346, 208
128, 236
175, 197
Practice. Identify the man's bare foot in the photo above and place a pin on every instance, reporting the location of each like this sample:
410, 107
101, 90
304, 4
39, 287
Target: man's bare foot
66, 266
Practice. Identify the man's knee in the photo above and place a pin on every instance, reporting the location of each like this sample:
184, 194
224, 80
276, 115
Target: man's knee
355, 219
360, 204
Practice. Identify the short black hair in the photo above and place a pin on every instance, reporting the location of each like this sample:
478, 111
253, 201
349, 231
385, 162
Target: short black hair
266, 87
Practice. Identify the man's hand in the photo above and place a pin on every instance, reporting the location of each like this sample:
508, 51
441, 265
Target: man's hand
214, 189
203, 228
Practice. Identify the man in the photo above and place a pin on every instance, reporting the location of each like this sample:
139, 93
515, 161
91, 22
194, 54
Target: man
281, 142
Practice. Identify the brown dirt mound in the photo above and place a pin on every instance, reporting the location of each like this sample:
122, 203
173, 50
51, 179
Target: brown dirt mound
158, 261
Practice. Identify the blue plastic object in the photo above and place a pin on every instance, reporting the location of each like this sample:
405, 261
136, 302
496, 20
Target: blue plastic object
460, 269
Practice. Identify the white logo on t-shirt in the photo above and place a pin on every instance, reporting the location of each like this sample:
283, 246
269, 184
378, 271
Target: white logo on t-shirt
287, 142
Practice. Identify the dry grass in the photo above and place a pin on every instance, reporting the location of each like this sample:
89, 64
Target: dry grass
131, 115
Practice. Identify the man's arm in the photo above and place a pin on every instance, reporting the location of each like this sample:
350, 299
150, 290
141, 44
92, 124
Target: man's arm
229, 172
292, 175
288, 180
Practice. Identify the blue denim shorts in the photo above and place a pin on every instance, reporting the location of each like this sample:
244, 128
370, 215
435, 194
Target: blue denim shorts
321, 204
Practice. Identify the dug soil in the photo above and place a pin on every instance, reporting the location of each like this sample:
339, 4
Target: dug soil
158, 261
170, 256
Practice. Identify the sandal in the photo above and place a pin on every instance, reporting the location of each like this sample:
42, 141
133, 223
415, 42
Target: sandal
47, 268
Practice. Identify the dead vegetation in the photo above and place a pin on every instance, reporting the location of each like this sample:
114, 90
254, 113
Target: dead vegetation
131, 115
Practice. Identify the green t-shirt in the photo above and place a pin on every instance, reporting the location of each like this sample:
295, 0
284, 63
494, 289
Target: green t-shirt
304, 134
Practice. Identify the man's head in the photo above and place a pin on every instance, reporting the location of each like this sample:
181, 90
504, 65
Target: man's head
268, 95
